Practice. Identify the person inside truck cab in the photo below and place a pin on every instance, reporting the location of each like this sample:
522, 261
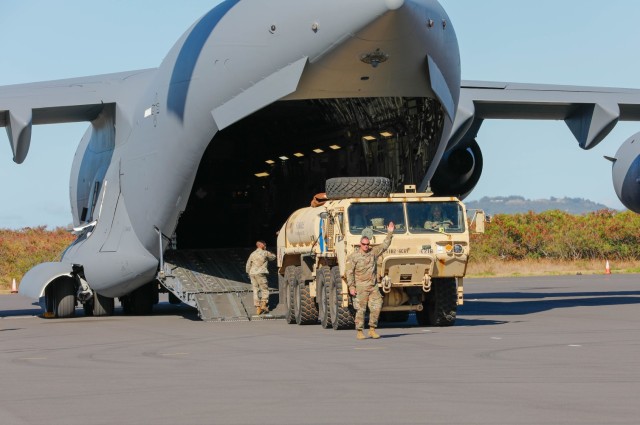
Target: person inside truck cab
437, 219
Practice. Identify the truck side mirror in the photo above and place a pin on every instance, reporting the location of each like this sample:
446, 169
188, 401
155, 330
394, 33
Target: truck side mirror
478, 220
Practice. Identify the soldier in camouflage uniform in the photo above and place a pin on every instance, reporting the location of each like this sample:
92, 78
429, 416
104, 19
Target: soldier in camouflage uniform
437, 219
362, 282
257, 270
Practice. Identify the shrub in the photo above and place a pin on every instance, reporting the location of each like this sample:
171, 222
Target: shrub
557, 235
22, 249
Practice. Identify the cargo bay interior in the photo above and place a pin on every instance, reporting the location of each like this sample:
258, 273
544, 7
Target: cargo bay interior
255, 173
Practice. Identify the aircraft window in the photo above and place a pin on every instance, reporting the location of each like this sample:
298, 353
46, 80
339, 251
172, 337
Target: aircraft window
376, 217
428, 217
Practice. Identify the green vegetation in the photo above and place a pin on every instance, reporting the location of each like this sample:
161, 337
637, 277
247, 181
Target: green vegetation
556, 235
22, 249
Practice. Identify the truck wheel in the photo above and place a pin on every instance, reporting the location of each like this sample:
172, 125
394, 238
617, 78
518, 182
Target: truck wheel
323, 284
290, 280
358, 187
441, 304
305, 307
341, 317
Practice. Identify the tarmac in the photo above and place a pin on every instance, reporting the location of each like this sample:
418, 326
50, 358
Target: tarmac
540, 350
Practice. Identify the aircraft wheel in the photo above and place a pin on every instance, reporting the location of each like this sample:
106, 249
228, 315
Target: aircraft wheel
102, 306
323, 284
341, 317
49, 299
141, 300
64, 297
88, 308
125, 303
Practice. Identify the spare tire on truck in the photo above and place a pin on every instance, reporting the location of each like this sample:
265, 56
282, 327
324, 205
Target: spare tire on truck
358, 187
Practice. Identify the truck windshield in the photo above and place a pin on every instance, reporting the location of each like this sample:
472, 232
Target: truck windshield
428, 217
376, 217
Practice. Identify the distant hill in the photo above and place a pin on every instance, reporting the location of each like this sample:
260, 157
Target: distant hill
518, 204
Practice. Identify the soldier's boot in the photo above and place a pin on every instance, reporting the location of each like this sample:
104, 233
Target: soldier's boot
258, 311
373, 334
264, 307
360, 334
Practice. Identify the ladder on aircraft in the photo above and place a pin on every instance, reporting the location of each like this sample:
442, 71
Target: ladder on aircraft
214, 282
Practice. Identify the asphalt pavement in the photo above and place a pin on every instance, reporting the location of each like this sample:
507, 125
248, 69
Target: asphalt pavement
543, 350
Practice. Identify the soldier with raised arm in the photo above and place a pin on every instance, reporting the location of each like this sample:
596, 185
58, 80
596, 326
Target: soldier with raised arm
257, 270
362, 282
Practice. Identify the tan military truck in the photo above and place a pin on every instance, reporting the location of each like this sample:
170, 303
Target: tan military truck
422, 271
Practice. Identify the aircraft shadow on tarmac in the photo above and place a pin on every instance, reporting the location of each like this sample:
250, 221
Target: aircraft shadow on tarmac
486, 304
522, 303
160, 309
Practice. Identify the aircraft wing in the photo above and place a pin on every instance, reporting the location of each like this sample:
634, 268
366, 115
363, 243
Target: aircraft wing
589, 112
60, 101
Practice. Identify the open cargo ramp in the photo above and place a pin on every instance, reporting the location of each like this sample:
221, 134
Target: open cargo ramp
214, 282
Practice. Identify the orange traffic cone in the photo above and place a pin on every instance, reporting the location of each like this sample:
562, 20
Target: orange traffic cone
14, 288
607, 269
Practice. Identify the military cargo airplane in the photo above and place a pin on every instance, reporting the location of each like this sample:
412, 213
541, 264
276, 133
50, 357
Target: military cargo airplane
313, 89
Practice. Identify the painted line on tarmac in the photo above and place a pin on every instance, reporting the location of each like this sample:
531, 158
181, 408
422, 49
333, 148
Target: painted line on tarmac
369, 348
19, 317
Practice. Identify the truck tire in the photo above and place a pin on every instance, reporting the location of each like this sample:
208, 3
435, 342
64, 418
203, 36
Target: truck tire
358, 187
441, 305
341, 317
305, 307
323, 284
291, 275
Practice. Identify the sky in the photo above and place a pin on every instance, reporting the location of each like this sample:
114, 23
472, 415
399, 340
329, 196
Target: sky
569, 42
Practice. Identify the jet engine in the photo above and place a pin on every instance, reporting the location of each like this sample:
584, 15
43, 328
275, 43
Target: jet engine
459, 170
626, 173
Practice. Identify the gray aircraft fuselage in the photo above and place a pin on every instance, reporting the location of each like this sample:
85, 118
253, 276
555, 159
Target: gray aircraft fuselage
293, 91
136, 164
